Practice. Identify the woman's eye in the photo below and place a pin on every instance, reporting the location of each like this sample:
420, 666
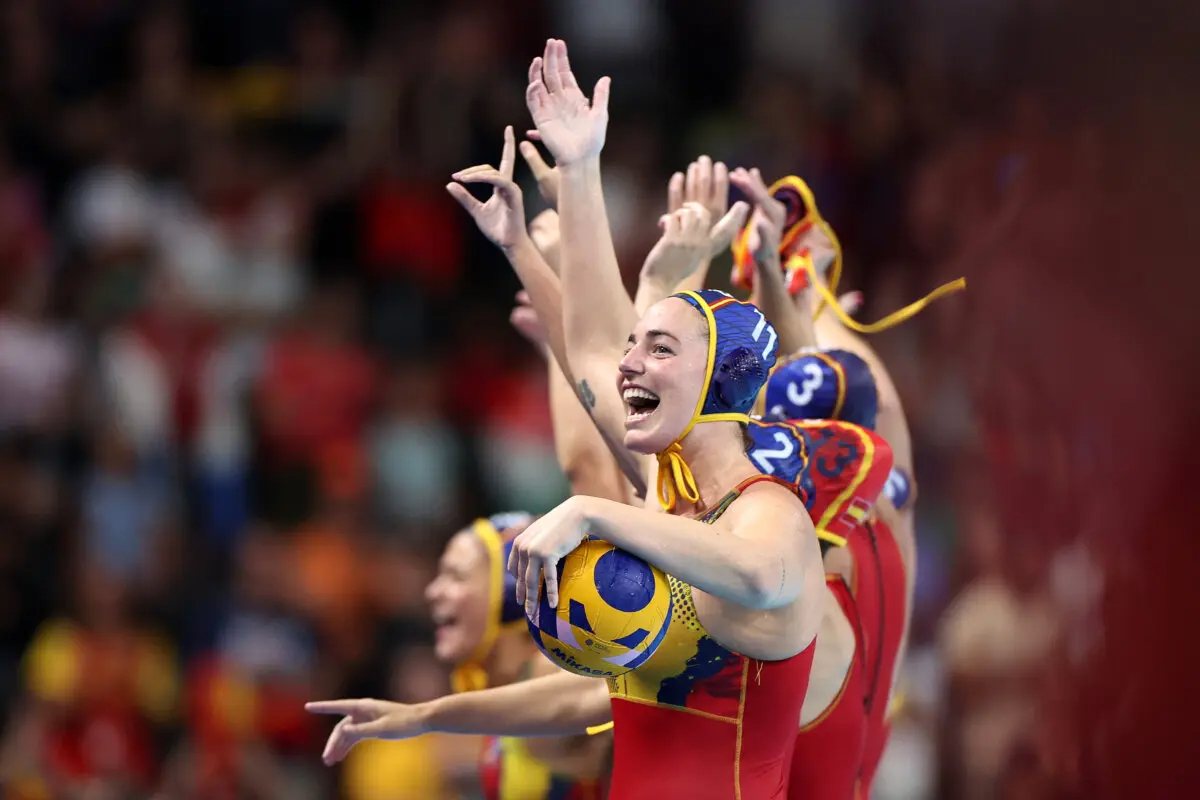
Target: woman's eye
662, 350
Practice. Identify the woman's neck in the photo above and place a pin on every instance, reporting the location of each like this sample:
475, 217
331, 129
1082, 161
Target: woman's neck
716, 454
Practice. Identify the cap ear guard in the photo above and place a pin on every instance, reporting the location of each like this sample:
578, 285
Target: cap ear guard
737, 379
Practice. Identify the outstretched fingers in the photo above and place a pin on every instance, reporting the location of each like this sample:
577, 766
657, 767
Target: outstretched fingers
336, 707
464, 198
704, 180
485, 174
551, 71
675, 192
720, 185
728, 226
600, 95
508, 155
565, 75
750, 183
536, 95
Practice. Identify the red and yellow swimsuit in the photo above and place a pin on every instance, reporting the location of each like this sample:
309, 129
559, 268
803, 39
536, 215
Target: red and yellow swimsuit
700, 721
509, 772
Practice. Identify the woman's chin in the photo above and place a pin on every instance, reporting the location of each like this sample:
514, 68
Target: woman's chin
646, 442
450, 649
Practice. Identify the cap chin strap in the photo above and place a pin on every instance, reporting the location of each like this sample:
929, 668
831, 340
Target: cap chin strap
471, 675
675, 479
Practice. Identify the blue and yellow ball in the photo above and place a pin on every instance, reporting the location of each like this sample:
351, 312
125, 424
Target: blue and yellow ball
613, 611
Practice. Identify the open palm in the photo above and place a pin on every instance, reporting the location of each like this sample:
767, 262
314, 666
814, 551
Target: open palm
570, 126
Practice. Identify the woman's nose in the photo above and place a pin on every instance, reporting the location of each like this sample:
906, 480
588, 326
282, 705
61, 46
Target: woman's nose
631, 364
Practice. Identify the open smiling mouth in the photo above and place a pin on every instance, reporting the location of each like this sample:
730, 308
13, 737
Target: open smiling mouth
639, 404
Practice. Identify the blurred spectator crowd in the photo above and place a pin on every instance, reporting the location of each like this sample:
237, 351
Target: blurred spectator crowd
255, 364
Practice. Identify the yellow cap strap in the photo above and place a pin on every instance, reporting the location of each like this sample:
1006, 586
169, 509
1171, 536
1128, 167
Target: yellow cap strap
891, 320
470, 677
675, 478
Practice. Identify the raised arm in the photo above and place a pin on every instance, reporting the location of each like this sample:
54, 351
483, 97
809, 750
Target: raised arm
502, 219
556, 705
680, 250
597, 315
582, 453
795, 328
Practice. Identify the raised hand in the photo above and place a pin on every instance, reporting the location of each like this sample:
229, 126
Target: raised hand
707, 183
768, 218
570, 126
547, 177
502, 217
366, 719
683, 246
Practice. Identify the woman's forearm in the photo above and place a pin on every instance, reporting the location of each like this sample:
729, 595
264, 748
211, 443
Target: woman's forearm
545, 295
710, 557
649, 291
597, 312
582, 452
554, 705
794, 326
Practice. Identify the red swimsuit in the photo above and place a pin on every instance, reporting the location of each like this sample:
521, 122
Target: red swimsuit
881, 590
849, 466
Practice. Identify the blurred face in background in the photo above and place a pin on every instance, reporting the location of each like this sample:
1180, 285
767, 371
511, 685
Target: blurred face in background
458, 598
662, 374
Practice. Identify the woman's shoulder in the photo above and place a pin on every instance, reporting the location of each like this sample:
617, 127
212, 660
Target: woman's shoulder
764, 495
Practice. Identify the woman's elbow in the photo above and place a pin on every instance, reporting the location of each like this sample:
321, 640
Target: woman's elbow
766, 587
775, 581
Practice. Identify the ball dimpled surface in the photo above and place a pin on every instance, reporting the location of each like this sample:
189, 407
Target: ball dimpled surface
613, 610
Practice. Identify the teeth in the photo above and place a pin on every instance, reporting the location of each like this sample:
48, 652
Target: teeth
639, 393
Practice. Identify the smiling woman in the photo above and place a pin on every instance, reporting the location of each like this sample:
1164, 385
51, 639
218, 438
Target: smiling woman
738, 548
481, 630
